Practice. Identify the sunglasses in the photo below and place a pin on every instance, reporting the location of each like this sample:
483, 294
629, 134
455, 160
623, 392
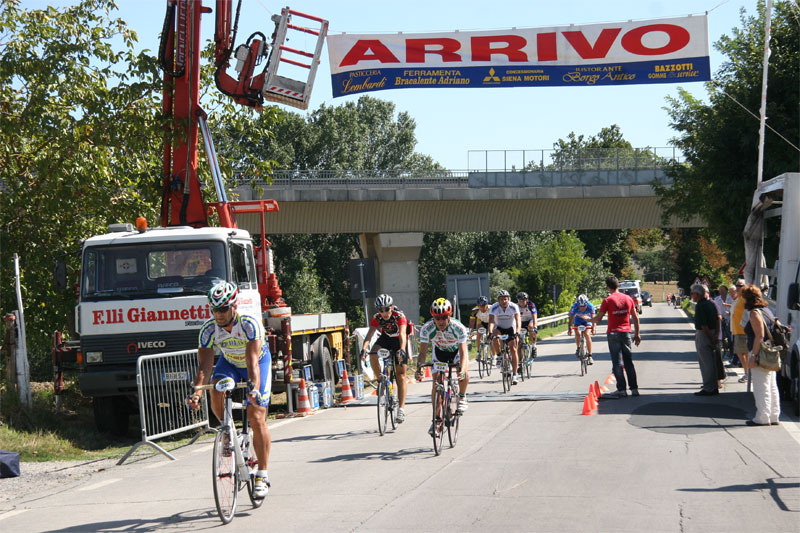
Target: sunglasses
223, 309
441, 318
739, 286
384, 309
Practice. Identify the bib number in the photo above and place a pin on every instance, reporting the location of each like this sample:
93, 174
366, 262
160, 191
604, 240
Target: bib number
438, 366
383, 353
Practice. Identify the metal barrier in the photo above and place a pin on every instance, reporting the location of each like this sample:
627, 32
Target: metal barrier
164, 380
552, 319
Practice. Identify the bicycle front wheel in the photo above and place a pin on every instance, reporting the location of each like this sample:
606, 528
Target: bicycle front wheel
392, 404
226, 477
584, 365
481, 355
383, 406
452, 416
439, 409
488, 360
506, 372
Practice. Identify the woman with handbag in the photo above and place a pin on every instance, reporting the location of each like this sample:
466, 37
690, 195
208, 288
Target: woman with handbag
765, 385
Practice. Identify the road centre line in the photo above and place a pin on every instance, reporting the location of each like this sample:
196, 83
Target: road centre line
9, 514
100, 484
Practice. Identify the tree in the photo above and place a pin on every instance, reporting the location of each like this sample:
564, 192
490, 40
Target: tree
80, 147
719, 139
697, 256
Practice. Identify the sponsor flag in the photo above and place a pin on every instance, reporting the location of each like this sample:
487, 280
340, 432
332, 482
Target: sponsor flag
673, 50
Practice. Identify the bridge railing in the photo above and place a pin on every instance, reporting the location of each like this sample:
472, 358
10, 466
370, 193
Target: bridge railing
552, 168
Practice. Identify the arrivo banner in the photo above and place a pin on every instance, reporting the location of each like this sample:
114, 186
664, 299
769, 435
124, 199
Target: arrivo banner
144, 316
673, 50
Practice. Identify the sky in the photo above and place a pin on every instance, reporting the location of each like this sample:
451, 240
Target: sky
451, 122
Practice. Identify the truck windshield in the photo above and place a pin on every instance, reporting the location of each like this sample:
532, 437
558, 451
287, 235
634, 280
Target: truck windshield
154, 270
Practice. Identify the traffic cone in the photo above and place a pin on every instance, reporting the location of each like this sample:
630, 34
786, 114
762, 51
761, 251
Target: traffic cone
597, 392
304, 408
610, 379
587, 406
603, 389
592, 398
427, 372
347, 393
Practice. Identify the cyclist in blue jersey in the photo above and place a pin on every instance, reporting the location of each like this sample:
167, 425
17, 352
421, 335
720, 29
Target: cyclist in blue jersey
242, 341
449, 338
581, 314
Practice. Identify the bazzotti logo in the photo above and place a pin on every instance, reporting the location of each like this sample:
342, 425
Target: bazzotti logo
134, 347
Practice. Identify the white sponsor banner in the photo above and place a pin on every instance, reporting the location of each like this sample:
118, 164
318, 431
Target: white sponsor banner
651, 51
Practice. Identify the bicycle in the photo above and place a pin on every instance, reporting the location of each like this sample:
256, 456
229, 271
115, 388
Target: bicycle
527, 353
233, 466
582, 355
387, 392
445, 405
484, 356
505, 367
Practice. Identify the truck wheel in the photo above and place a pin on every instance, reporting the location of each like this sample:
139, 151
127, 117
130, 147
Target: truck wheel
323, 365
111, 415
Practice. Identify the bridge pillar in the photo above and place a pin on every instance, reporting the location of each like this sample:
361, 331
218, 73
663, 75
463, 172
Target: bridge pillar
397, 259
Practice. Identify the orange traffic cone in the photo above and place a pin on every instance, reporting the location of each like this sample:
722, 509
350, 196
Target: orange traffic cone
597, 392
592, 398
603, 389
587, 406
347, 394
427, 372
610, 379
304, 408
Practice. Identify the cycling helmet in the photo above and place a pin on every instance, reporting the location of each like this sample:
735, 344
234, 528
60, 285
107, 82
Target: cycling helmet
441, 307
582, 300
483, 300
501, 293
522, 295
222, 294
383, 300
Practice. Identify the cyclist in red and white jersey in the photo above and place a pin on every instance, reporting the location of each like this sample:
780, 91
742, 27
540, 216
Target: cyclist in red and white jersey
393, 326
504, 319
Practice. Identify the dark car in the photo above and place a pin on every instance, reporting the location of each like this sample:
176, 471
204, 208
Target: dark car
647, 298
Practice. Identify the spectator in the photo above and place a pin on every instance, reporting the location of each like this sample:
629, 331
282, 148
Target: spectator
765, 385
737, 329
705, 339
620, 308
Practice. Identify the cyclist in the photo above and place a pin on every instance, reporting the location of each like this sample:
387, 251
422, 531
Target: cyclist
449, 339
581, 314
393, 326
504, 318
245, 357
479, 316
529, 317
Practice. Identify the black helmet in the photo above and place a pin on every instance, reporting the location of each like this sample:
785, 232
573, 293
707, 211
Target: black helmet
483, 300
522, 295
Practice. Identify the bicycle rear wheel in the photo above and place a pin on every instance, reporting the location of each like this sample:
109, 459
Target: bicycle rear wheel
392, 404
383, 406
226, 477
452, 416
439, 408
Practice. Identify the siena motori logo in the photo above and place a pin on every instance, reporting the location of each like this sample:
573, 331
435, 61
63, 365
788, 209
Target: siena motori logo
134, 347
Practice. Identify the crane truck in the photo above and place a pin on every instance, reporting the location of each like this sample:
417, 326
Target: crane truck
143, 290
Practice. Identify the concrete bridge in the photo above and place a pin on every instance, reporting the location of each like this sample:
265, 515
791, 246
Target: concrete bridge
391, 210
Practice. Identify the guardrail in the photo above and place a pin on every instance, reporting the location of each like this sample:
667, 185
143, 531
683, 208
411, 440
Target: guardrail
163, 382
552, 319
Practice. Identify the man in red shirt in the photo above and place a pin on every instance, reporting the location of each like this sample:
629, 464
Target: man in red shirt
620, 308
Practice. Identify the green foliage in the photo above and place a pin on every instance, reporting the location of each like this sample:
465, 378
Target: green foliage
561, 260
304, 293
658, 265
694, 254
609, 246
720, 139
80, 147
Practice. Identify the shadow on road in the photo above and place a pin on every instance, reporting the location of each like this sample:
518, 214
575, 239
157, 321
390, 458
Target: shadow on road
773, 485
393, 455
184, 520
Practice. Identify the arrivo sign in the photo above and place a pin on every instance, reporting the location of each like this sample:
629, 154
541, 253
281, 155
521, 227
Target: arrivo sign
657, 51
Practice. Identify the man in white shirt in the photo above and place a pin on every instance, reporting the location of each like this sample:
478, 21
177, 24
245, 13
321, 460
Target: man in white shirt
504, 319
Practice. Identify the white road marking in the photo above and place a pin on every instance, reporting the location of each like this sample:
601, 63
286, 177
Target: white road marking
100, 484
12, 513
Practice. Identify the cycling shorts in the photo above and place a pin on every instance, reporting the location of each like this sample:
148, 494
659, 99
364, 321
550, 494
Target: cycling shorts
504, 331
392, 344
225, 369
443, 356
525, 324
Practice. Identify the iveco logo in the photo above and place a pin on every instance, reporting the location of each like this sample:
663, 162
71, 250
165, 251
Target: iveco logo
146, 345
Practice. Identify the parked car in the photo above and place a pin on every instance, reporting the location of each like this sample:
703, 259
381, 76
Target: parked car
647, 298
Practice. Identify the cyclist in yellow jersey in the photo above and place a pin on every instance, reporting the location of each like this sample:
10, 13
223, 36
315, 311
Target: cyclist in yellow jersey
479, 317
245, 357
